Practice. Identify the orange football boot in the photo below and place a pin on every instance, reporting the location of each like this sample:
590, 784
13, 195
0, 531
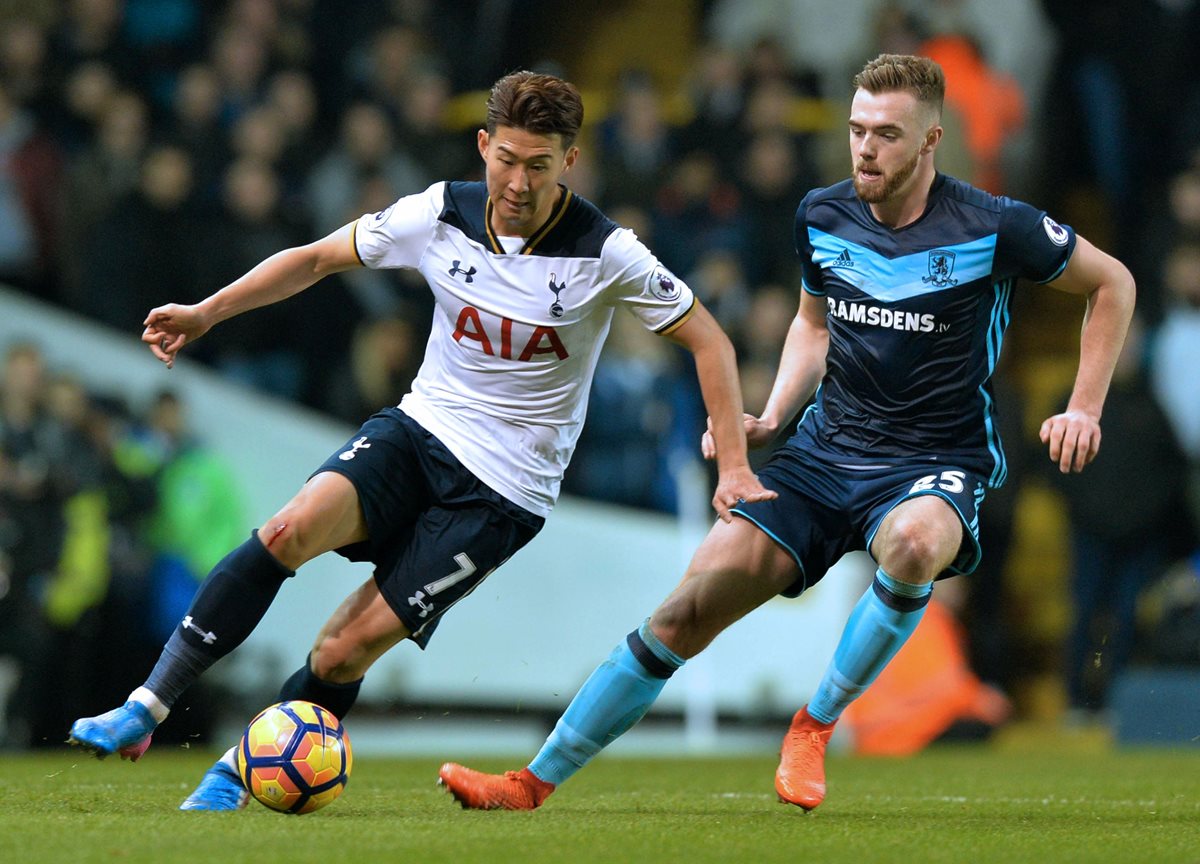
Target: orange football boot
513, 790
800, 778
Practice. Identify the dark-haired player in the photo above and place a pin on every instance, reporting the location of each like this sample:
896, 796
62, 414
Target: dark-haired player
908, 282
441, 490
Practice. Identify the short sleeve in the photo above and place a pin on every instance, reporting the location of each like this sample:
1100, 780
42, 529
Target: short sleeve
399, 235
656, 296
1031, 244
809, 271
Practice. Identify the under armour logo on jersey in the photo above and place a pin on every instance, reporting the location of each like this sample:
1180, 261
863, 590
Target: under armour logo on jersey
360, 444
843, 260
188, 624
455, 270
556, 308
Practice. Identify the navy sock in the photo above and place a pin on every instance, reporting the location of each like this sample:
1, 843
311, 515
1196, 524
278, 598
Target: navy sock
337, 699
226, 609
614, 697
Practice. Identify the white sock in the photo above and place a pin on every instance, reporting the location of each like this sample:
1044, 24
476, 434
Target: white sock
157, 709
228, 758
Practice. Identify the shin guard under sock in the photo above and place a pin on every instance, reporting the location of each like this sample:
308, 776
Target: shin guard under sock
613, 698
880, 624
226, 609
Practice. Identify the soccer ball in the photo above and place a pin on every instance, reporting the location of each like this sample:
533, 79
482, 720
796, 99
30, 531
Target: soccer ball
294, 757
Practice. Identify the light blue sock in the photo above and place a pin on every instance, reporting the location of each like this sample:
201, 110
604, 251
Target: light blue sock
613, 698
881, 622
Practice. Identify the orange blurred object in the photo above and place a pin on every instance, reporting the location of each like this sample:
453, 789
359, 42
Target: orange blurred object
991, 104
926, 688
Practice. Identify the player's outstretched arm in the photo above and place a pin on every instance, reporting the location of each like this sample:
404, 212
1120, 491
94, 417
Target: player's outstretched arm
716, 367
1073, 437
801, 367
168, 328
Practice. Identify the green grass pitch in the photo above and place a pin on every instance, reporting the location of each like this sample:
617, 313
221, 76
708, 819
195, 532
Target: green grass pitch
951, 804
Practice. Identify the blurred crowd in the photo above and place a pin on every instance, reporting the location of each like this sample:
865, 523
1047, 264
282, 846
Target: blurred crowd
153, 150
109, 516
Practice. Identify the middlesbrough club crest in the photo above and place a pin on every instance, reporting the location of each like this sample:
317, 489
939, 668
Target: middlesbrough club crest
941, 266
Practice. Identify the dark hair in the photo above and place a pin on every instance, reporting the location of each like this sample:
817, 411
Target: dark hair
920, 76
542, 104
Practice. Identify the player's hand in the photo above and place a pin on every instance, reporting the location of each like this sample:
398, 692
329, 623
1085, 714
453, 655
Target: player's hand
170, 327
738, 486
1073, 438
758, 434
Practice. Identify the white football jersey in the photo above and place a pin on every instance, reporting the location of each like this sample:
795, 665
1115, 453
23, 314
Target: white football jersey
518, 325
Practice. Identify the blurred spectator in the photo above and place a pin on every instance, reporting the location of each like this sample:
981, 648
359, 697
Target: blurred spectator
697, 209
642, 407
1117, 550
240, 61
144, 245
89, 31
717, 92
293, 98
165, 35
824, 35
365, 147
990, 103
197, 515
383, 69
32, 492
383, 359
633, 143
442, 152
69, 631
87, 91
260, 350
24, 70
195, 125
1164, 229
100, 176
770, 106
1176, 357
759, 345
773, 180
30, 173
720, 283
259, 134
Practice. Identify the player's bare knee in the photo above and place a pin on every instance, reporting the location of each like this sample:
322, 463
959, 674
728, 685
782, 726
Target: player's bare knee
282, 537
678, 624
914, 552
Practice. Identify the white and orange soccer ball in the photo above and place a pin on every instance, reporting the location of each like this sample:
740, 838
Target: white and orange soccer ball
294, 757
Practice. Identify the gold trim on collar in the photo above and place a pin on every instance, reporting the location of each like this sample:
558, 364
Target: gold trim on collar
487, 226
537, 236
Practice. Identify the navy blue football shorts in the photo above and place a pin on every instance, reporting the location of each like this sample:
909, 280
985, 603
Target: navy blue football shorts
434, 530
828, 507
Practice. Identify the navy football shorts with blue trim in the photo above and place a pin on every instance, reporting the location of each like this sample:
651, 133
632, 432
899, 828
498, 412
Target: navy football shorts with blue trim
829, 506
435, 530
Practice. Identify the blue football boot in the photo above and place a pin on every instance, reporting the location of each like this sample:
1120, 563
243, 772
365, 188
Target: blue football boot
219, 789
125, 730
